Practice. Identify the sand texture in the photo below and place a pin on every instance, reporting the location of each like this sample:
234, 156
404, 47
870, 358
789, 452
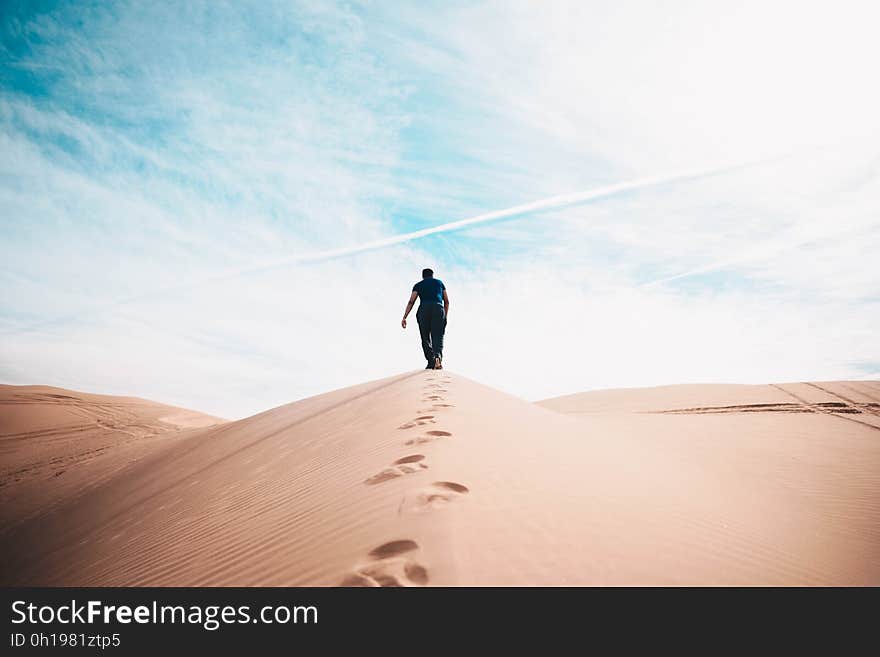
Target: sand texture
429, 478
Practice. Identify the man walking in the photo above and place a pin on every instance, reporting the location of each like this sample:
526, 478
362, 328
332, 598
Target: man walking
431, 316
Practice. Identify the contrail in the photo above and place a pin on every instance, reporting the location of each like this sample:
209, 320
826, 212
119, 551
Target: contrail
551, 203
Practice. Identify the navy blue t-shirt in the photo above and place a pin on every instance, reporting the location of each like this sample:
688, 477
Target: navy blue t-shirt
430, 290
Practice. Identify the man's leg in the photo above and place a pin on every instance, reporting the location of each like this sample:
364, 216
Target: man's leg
438, 329
424, 320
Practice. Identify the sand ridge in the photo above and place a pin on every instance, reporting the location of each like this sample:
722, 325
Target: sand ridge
428, 478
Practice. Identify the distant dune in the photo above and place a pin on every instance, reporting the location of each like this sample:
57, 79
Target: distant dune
56, 443
428, 478
859, 400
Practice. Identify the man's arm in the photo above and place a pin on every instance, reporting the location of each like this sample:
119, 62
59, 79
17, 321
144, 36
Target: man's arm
445, 304
412, 300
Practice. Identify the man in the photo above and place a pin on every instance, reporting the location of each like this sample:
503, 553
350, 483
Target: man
431, 316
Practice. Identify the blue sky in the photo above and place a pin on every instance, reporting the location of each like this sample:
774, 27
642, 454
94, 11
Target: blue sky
161, 162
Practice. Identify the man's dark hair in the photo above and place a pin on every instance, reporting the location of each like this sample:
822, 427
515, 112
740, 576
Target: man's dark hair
427, 273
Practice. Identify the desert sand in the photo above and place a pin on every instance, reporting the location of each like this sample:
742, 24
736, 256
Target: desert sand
57, 443
428, 478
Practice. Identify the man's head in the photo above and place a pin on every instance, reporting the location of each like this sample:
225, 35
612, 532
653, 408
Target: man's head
427, 273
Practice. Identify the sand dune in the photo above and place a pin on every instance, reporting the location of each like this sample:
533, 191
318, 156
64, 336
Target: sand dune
861, 398
429, 478
55, 443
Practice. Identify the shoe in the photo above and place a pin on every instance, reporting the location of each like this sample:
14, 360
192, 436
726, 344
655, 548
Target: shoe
438, 365
429, 366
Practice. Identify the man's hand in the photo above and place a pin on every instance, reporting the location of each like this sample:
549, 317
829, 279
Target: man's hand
409, 305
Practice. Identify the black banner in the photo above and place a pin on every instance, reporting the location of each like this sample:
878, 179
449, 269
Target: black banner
129, 621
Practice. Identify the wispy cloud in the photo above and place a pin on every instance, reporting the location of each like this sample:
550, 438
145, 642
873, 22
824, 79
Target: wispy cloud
561, 201
168, 162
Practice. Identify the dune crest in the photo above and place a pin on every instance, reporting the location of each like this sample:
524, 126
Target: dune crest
428, 478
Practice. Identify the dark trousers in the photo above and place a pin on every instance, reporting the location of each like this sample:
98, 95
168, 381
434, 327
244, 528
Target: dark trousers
432, 325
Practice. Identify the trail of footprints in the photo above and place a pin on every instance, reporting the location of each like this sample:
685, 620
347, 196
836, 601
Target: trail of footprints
395, 563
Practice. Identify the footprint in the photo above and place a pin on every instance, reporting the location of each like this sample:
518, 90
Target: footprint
429, 437
422, 419
385, 475
451, 485
402, 466
420, 440
393, 549
440, 493
414, 458
392, 566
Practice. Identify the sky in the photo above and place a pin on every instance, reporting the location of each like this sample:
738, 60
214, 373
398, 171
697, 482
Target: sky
224, 205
